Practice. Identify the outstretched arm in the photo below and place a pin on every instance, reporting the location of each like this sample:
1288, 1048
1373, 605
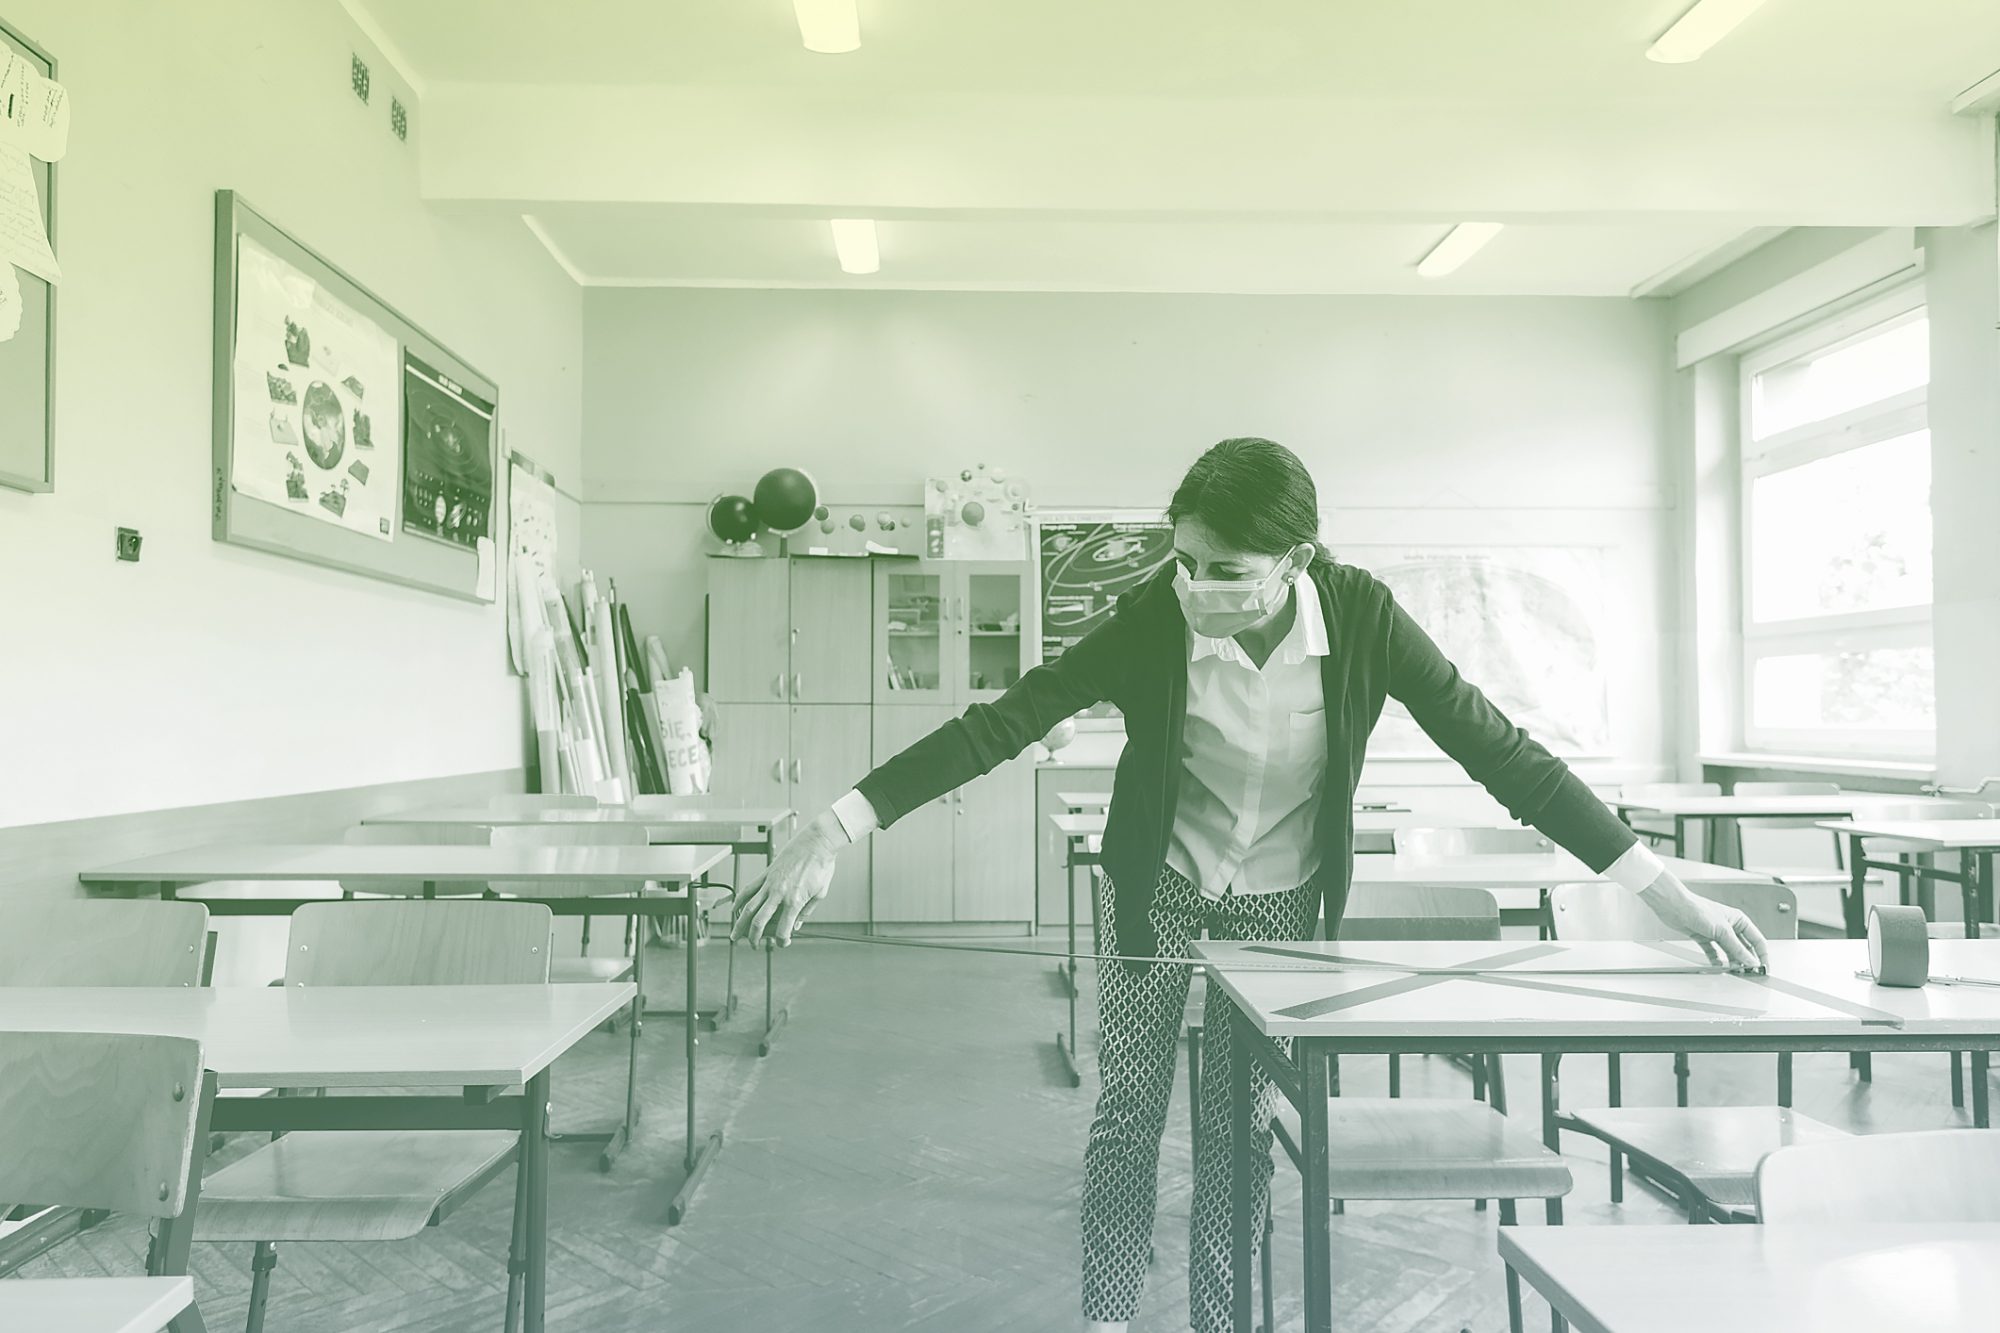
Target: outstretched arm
1539, 789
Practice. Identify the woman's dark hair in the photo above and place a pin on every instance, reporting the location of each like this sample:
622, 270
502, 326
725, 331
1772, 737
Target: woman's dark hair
1254, 495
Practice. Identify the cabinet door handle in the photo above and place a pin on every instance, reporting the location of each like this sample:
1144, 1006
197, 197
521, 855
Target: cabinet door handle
798, 770
798, 685
778, 771
778, 685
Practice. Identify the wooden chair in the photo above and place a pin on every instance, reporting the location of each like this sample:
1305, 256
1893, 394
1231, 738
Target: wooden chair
528, 803
1706, 1157
334, 1185
1649, 829
1404, 1149
1930, 1176
109, 1122
72, 942
583, 968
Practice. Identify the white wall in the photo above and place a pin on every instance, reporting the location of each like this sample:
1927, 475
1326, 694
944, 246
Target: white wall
207, 672
1426, 421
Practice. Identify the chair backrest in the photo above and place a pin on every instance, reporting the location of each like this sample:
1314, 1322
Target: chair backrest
1427, 912
1601, 911
1645, 791
419, 942
99, 1119
1436, 844
70, 942
1931, 1176
528, 803
567, 835
405, 835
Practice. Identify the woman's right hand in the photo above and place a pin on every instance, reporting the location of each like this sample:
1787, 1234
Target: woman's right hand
798, 876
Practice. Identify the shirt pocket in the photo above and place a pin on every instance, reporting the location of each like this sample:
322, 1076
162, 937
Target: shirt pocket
1306, 737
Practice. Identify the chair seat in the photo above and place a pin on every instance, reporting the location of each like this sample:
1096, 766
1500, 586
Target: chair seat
577, 970
1717, 1148
341, 1186
1422, 1148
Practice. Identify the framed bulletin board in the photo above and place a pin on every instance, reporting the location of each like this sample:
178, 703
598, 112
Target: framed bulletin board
317, 384
1084, 563
28, 359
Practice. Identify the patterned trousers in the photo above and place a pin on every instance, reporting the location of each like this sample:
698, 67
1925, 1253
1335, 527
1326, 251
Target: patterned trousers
1139, 1011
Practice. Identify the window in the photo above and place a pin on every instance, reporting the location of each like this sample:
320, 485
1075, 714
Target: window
1836, 456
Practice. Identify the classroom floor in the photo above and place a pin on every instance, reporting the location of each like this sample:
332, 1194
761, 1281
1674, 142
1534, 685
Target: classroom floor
906, 1159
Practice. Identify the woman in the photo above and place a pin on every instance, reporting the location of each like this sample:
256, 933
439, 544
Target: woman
1250, 676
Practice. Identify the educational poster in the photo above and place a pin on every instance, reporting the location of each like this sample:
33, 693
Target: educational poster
979, 514
1521, 623
1085, 567
317, 411
447, 457
531, 545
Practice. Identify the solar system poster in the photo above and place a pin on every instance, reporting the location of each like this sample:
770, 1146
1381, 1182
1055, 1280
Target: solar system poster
1085, 568
447, 457
317, 412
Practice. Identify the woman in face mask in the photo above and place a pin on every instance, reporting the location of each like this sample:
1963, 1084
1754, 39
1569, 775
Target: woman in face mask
1249, 676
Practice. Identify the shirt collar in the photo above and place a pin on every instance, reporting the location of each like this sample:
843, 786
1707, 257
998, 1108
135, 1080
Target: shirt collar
1306, 638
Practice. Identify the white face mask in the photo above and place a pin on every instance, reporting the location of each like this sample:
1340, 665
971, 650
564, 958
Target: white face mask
1220, 608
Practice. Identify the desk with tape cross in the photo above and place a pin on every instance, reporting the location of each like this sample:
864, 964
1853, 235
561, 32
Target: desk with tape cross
669, 821
1549, 1000
607, 876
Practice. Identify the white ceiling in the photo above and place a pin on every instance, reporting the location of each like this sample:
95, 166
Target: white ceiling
1186, 145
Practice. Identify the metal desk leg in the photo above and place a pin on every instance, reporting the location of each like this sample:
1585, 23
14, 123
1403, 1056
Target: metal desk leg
1071, 1060
1242, 1109
1551, 1133
1680, 836
534, 1165
1854, 914
616, 1139
773, 1023
696, 1160
1981, 1110
1314, 1172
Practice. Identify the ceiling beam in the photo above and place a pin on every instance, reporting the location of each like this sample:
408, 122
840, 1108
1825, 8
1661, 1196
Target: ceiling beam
1827, 164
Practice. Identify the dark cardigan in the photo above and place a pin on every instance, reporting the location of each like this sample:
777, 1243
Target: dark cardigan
1138, 660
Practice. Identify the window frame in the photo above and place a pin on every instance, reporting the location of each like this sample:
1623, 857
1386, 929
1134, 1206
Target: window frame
1857, 428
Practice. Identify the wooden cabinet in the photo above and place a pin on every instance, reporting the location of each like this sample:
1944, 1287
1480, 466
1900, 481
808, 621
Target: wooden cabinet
823, 667
789, 631
965, 858
801, 756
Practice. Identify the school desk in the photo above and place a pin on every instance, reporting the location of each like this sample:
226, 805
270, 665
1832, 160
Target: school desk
1083, 840
744, 830
439, 867
1976, 841
1549, 1000
371, 1042
1859, 1278
1733, 810
94, 1304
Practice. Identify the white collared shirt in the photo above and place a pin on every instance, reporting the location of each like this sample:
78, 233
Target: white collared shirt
1253, 760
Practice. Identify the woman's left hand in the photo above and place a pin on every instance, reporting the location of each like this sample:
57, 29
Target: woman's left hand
1724, 933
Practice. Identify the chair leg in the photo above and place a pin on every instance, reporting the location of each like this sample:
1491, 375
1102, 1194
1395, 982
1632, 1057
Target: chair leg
517, 1245
1507, 1219
263, 1259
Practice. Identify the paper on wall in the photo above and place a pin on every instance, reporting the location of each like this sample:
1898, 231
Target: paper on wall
531, 542
482, 582
318, 409
34, 109
10, 301
24, 241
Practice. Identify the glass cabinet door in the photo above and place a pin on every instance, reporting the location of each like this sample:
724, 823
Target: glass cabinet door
911, 634
989, 611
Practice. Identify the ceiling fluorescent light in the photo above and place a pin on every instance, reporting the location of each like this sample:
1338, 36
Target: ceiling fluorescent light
830, 27
1459, 244
1700, 28
854, 242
